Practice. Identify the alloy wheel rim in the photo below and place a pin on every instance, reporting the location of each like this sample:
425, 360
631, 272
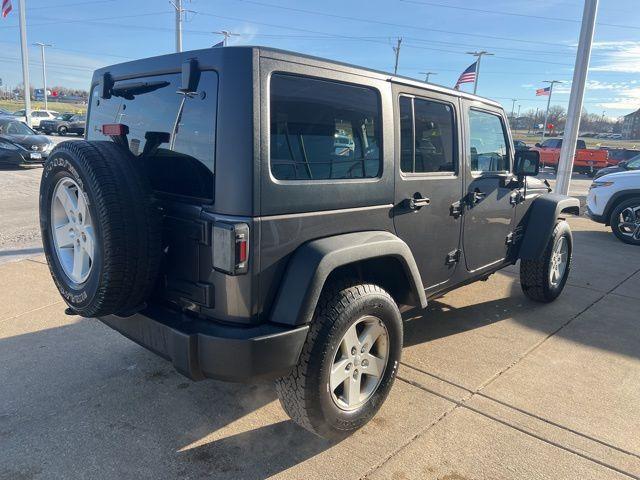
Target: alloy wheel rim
72, 230
629, 222
359, 363
559, 261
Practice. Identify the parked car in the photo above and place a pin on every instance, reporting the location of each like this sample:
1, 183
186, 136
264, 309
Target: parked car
623, 166
216, 225
64, 124
614, 200
20, 145
36, 116
586, 160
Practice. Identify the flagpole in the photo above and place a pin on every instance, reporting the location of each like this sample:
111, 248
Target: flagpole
546, 115
25, 62
475, 83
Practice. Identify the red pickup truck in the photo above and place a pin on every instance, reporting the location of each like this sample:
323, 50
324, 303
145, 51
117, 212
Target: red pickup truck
586, 160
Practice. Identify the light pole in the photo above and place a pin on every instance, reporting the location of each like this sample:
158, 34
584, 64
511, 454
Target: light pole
44, 70
479, 54
25, 63
513, 107
427, 75
583, 55
546, 115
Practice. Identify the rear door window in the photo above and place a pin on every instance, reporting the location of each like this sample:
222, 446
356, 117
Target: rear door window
323, 130
172, 134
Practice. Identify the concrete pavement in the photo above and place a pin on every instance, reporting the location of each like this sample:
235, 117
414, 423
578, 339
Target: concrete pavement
492, 386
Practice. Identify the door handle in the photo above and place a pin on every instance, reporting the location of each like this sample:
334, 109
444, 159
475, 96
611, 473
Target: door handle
417, 202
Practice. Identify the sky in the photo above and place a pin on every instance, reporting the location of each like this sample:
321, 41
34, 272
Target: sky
532, 41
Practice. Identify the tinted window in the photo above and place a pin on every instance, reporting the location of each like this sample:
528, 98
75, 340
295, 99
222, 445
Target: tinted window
552, 143
634, 163
172, 134
323, 130
427, 141
488, 143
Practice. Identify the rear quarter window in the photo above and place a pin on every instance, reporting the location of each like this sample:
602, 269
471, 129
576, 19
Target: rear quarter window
323, 130
171, 134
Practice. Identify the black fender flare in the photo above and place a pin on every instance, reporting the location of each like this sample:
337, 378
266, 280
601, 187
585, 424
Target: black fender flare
541, 217
314, 261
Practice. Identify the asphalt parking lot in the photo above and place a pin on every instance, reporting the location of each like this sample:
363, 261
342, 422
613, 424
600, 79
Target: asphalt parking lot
492, 386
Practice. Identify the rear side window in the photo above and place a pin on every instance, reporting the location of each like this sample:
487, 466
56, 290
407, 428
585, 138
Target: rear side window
322, 130
172, 134
427, 136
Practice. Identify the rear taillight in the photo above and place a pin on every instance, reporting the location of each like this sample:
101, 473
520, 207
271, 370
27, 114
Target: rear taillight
231, 247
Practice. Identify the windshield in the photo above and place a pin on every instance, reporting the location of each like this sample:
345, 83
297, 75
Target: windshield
15, 128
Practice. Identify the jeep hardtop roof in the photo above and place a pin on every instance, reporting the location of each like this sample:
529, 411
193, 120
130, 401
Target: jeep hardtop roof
165, 63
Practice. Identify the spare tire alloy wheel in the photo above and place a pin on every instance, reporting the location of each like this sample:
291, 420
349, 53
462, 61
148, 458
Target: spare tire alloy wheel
72, 230
101, 230
359, 363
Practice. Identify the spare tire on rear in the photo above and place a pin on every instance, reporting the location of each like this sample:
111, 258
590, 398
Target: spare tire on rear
100, 228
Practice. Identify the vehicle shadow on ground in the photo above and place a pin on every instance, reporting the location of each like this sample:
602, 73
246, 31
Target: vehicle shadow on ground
114, 400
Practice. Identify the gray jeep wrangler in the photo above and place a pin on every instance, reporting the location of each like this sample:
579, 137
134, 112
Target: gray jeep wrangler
249, 214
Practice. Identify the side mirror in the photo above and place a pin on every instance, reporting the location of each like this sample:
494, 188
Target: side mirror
190, 76
527, 163
538, 145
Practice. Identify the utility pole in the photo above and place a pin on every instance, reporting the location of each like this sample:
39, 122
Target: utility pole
479, 54
44, 70
513, 107
546, 115
583, 55
427, 75
226, 34
25, 63
178, 7
396, 49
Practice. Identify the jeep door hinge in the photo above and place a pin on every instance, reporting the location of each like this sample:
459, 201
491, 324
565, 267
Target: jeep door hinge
516, 197
509, 239
456, 209
453, 257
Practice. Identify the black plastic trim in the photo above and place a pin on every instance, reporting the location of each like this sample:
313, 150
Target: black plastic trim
542, 216
201, 349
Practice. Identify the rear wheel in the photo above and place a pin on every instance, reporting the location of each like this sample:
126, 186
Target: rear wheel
625, 221
348, 363
543, 279
62, 130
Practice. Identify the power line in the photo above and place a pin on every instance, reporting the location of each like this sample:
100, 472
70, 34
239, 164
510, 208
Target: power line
511, 14
391, 24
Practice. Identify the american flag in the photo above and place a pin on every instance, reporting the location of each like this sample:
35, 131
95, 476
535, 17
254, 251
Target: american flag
6, 8
468, 76
541, 92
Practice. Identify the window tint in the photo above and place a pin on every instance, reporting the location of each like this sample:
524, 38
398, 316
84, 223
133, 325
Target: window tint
172, 134
488, 143
323, 130
427, 140
634, 164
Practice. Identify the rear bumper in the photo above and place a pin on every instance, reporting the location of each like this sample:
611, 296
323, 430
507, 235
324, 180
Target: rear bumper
200, 349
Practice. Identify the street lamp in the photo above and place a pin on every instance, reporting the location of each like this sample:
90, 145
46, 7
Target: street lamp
44, 70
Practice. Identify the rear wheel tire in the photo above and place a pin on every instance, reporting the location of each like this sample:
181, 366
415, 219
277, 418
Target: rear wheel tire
100, 228
543, 279
348, 363
62, 130
625, 221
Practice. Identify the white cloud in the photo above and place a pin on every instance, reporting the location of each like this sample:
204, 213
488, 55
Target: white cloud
617, 56
629, 99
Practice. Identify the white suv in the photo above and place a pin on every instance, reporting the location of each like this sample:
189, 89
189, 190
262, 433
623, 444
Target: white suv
614, 200
36, 116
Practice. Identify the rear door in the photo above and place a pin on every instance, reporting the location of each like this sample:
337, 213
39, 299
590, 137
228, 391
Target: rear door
428, 181
490, 192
